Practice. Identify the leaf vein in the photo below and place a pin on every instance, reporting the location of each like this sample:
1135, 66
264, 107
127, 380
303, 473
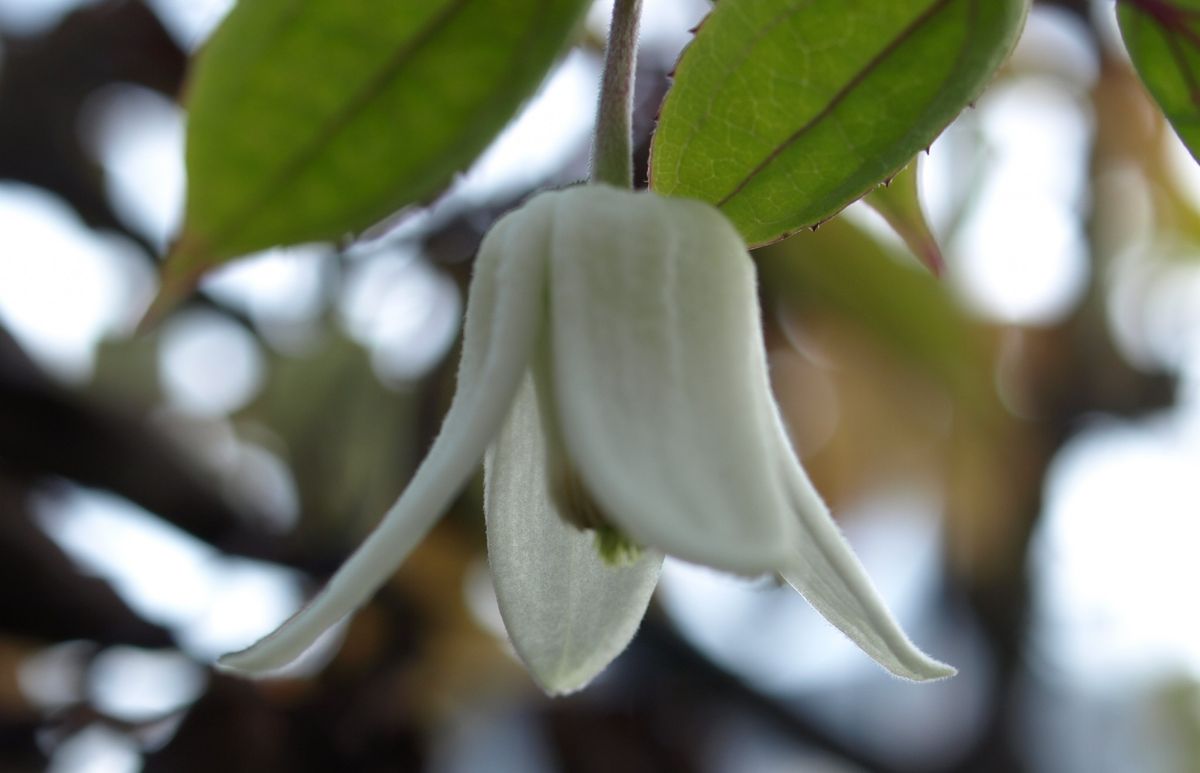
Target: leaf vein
337, 123
825, 112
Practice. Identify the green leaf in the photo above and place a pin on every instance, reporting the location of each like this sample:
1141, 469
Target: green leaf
312, 119
899, 202
785, 111
1163, 38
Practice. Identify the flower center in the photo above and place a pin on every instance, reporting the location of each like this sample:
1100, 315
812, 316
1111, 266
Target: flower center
570, 494
580, 509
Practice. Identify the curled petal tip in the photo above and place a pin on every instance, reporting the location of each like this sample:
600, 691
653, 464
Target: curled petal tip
920, 668
248, 662
281, 648
239, 663
275, 652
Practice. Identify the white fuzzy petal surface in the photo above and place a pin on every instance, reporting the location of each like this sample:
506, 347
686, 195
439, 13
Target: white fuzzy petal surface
567, 612
504, 320
825, 570
661, 376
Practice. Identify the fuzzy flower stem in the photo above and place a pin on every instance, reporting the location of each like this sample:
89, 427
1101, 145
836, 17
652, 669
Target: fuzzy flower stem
612, 156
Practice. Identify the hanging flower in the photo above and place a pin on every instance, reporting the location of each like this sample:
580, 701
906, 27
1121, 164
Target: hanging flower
613, 371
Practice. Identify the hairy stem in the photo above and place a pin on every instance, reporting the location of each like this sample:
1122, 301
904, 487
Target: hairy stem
612, 156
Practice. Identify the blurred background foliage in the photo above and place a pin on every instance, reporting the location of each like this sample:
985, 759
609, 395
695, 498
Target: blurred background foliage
1012, 448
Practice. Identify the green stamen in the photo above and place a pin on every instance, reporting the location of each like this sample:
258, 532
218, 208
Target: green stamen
615, 548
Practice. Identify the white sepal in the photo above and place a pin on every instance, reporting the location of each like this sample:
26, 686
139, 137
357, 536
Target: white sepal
824, 569
504, 319
567, 612
660, 376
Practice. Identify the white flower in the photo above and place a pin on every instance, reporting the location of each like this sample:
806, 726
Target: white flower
613, 370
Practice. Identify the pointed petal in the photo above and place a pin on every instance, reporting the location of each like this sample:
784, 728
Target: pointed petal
826, 572
567, 612
505, 314
661, 378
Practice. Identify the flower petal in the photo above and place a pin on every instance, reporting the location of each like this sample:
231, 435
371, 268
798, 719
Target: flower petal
567, 612
661, 377
505, 315
826, 572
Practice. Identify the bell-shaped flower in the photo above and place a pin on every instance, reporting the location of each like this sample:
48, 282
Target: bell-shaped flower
614, 373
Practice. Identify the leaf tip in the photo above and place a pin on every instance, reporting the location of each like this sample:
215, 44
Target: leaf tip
178, 276
931, 257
